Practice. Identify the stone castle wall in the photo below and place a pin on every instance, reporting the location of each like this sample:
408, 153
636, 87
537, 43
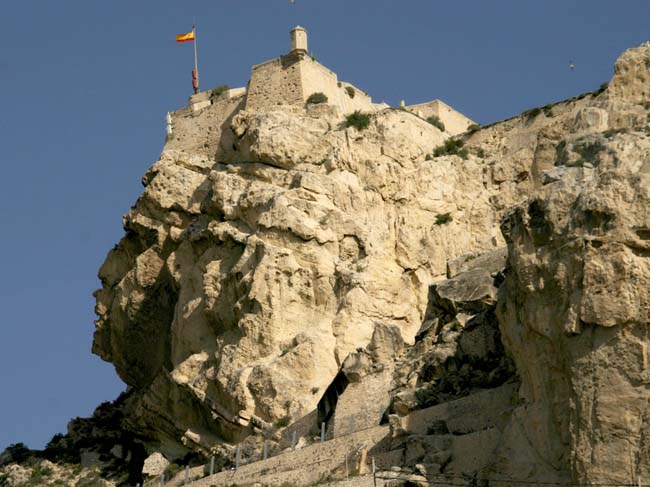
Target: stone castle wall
316, 78
360, 101
290, 80
455, 122
275, 82
361, 405
199, 130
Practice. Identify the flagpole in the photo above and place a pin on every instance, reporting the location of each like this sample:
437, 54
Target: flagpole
196, 59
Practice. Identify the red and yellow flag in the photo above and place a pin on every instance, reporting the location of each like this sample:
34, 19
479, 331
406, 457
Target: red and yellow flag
185, 37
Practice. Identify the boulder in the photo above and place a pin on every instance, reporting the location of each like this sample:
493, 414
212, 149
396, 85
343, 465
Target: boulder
155, 465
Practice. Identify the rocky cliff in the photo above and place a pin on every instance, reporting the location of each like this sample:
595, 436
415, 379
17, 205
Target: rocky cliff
285, 268
575, 305
244, 281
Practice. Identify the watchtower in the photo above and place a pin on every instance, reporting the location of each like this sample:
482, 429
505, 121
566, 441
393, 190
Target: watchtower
298, 40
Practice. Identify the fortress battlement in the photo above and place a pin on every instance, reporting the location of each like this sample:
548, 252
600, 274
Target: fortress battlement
292, 78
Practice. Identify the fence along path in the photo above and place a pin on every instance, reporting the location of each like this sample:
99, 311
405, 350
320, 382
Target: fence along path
305, 466
472, 415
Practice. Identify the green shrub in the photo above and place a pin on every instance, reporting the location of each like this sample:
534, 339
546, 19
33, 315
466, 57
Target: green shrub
17, 452
480, 152
451, 147
358, 120
90, 480
171, 470
436, 122
39, 476
548, 110
317, 98
218, 91
62, 449
609, 133
443, 218
532, 113
350, 91
473, 128
282, 422
589, 150
601, 88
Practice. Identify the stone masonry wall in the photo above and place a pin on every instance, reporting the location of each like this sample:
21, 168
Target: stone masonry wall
361, 405
289, 80
317, 78
199, 133
360, 101
275, 82
455, 122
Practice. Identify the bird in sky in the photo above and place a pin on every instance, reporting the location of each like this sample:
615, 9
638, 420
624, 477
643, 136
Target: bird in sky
572, 66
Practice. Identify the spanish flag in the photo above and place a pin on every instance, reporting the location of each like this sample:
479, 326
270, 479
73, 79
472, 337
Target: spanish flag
185, 37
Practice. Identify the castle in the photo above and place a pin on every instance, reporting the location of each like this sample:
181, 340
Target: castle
290, 80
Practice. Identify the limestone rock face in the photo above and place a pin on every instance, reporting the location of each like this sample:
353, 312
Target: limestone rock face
575, 316
632, 79
575, 306
458, 351
272, 252
44, 473
155, 464
247, 276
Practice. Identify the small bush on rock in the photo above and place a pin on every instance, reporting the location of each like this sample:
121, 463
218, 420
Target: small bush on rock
548, 110
172, 469
451, 147
17, 452
532, 113
219, 90
358, 120
601, 88
350, 91
443, 218
317, 98
589, 151
609, 133
436, 122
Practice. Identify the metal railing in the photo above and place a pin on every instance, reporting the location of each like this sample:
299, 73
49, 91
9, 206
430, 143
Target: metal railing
324, 437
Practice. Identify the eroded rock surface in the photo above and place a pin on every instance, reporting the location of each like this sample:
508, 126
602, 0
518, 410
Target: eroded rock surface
575, 315
575, 307
268, 247
243, 283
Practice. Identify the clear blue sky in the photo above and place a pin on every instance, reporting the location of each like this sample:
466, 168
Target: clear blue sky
84, 87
